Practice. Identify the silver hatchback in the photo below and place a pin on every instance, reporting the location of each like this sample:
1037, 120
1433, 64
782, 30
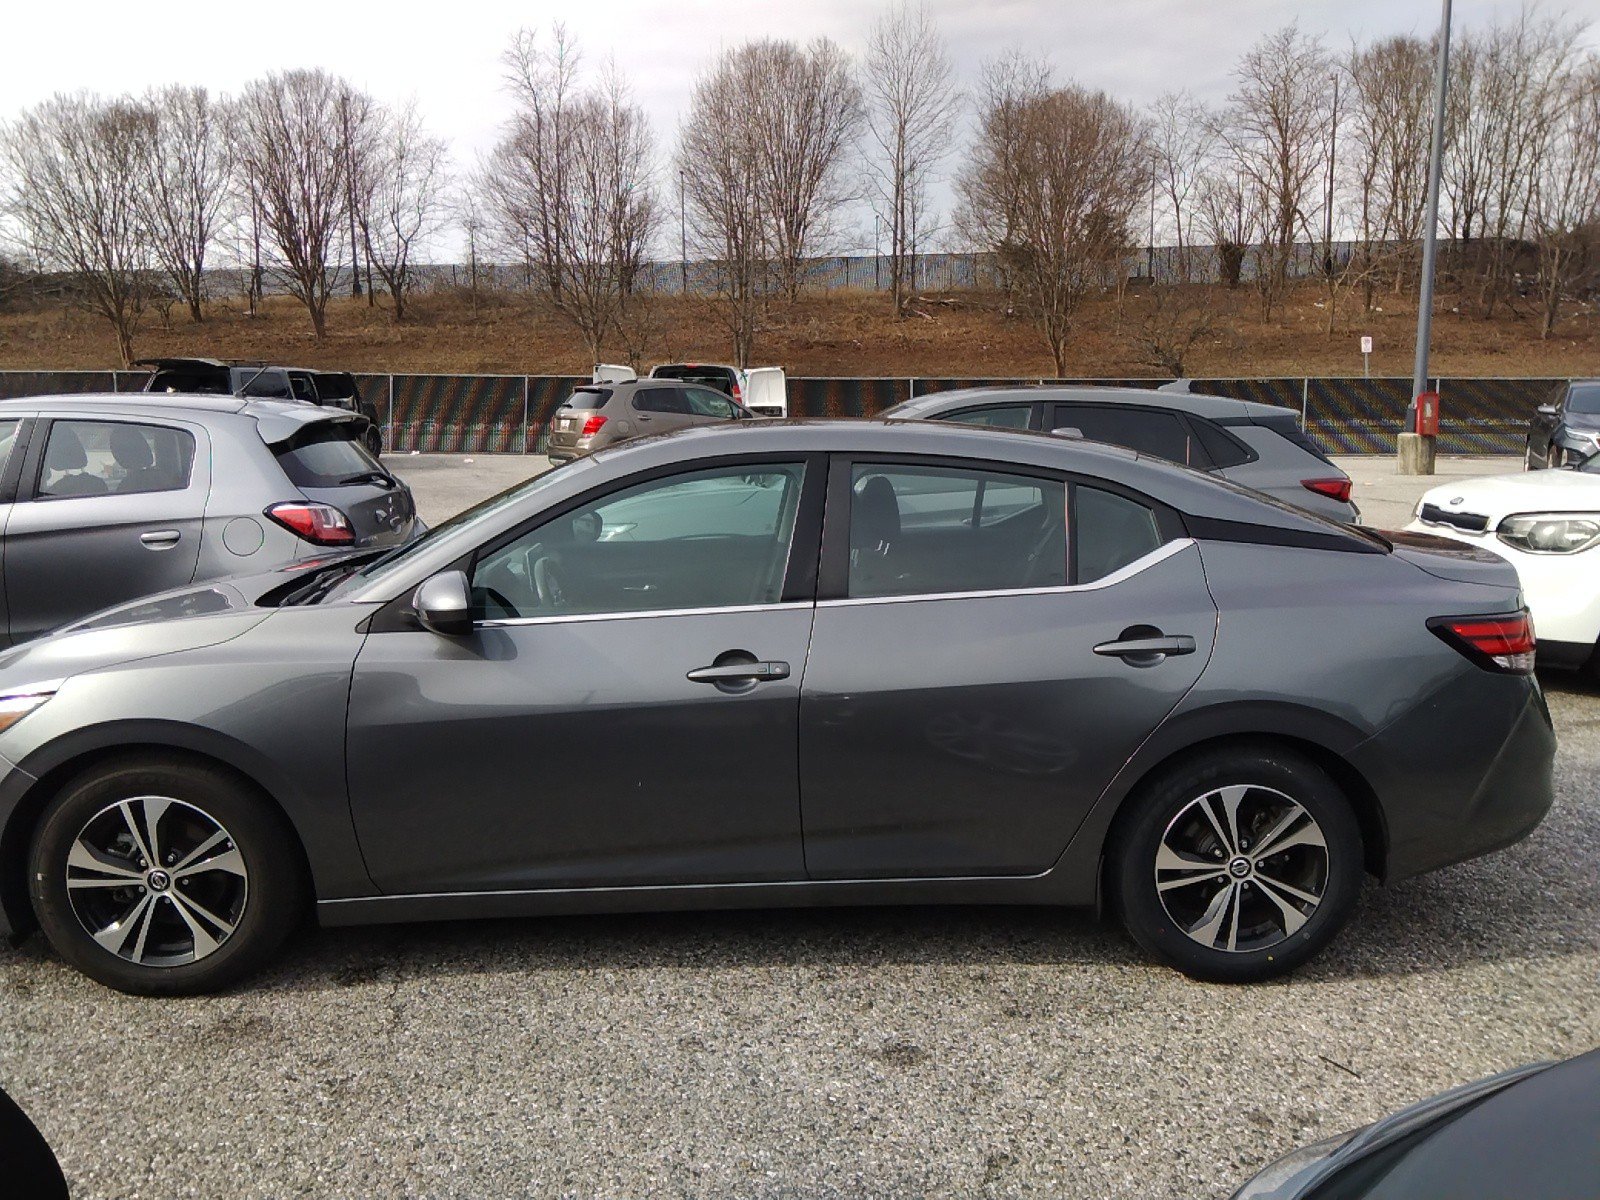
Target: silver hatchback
104, 499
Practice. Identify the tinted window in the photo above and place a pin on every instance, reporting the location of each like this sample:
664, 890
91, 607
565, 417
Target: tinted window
1008, 416
1159, 434
336, 385
707, 539
661, 400
717, 378
326, 454
300, 385
916, 530
706, 403
587, 398
1223, 449
205, 380
1585, 398
1289, 430
97, 458
1112, 531
272, 385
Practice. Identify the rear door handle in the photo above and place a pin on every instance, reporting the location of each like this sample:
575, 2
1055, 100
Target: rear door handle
736, 672
1152, 647
160, 539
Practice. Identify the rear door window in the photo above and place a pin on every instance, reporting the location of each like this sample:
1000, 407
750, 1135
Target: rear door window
326, 454
703, 402
1149, 431
1003, 416
101, 458
661, 400
1111, 531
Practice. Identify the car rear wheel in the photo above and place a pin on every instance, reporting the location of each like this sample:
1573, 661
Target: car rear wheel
164, 877
1239, 865
374, 441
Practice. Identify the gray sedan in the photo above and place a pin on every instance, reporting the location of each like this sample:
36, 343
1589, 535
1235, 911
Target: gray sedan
783, 664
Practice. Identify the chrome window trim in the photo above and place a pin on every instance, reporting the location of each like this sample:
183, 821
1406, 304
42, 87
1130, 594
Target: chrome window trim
570, 618
1136, 567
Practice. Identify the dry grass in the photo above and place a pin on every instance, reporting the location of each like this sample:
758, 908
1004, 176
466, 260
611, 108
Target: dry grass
838, 333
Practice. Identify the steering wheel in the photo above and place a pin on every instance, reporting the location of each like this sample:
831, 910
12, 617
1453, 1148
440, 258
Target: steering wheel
547, 584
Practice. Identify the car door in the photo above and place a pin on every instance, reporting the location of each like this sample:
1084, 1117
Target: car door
108, 510
976, 675
660, 409
709, 408
625, 710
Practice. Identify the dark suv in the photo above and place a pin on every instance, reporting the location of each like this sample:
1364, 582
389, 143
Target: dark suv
225, 377
1565, 430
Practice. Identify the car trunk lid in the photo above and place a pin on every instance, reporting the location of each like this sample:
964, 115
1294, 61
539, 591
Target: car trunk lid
1444, 558
328, 464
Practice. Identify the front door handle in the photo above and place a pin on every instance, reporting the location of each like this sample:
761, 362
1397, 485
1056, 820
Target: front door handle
739, 672
1146, 651
160, 539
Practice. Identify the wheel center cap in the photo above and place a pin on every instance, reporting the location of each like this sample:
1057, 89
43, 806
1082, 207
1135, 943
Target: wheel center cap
158, 881
1239, 868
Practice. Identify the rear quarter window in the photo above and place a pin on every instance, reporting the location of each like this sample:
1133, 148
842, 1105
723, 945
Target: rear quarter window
1221, 447
1289, 430
325, 454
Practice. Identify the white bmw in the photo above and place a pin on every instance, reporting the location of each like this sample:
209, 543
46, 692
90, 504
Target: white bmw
1547, 524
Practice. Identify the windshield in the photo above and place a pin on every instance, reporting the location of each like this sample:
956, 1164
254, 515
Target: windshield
1585, 398
401, 555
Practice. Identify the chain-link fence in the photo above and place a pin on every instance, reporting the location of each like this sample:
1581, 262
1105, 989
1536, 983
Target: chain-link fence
507, 414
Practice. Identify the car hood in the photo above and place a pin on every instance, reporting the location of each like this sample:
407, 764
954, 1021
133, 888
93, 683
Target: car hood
1498, 496
189, 618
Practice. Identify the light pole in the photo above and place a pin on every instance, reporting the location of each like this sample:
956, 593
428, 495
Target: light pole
877, 251
1327, 199
1419, 372
1150, 254
683, 236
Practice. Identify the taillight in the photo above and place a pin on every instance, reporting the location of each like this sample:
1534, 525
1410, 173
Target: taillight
736, 391
592, 425
322, 524
1498, 643
1338, 489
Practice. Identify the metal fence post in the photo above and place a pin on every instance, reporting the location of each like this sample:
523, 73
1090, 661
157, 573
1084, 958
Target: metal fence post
388, 415
1305, 403
526, 449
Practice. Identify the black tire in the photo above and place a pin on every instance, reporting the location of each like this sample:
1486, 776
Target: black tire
374, 441
1269, 784
254, 876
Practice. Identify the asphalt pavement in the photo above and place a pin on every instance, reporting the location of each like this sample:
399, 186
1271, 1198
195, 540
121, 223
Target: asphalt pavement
892, 1052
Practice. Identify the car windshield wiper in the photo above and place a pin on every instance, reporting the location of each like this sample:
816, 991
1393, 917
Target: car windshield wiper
382, 478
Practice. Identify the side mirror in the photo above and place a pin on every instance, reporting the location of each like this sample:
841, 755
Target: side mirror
444, 604
1548, 410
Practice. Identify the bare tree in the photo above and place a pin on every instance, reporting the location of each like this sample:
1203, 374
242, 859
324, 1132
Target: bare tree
1052, 186
1275, 134
1564, 213
183, 186
804, 108
1229, 214
1177, 320
1183, 142
718, 160
291, 151
403, 199
362, 125
570, 184
912, 106
69, 163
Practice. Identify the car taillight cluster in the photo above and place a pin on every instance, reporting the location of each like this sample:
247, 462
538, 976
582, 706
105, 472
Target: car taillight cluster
592, 425
1497, 643
322, 524
1338, 489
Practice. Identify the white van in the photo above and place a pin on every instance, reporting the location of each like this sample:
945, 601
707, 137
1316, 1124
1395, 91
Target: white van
763, 390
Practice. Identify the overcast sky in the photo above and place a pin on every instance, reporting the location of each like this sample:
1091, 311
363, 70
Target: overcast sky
447, 54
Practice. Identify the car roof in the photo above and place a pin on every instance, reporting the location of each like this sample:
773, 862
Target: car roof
242, 363
277, 420
1199, 403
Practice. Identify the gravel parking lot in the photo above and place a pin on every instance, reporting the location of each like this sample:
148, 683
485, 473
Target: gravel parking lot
851, 1052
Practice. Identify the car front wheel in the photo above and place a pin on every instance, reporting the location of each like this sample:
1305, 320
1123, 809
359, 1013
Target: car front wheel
164, 877
1239, 865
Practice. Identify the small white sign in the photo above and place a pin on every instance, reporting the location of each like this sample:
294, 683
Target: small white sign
1366, 345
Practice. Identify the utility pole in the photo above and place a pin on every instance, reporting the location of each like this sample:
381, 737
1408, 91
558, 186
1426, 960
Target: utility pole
1430, 229
1327, 197
683, 235
1150, 256
350, 190
877, 251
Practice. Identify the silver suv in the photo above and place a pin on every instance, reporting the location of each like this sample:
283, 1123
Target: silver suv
1259, 446
104, 499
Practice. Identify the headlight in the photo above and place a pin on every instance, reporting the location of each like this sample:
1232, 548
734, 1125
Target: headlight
1549, 533
18, 705
1278, 1179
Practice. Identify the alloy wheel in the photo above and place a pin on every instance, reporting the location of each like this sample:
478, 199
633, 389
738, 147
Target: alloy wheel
1241, 868
156, 881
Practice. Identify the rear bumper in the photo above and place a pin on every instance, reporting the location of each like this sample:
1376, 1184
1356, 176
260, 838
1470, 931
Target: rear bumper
1464, 773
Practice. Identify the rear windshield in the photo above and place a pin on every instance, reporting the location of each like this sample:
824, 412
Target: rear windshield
588, 398
335, 385
206, 381
327, 454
